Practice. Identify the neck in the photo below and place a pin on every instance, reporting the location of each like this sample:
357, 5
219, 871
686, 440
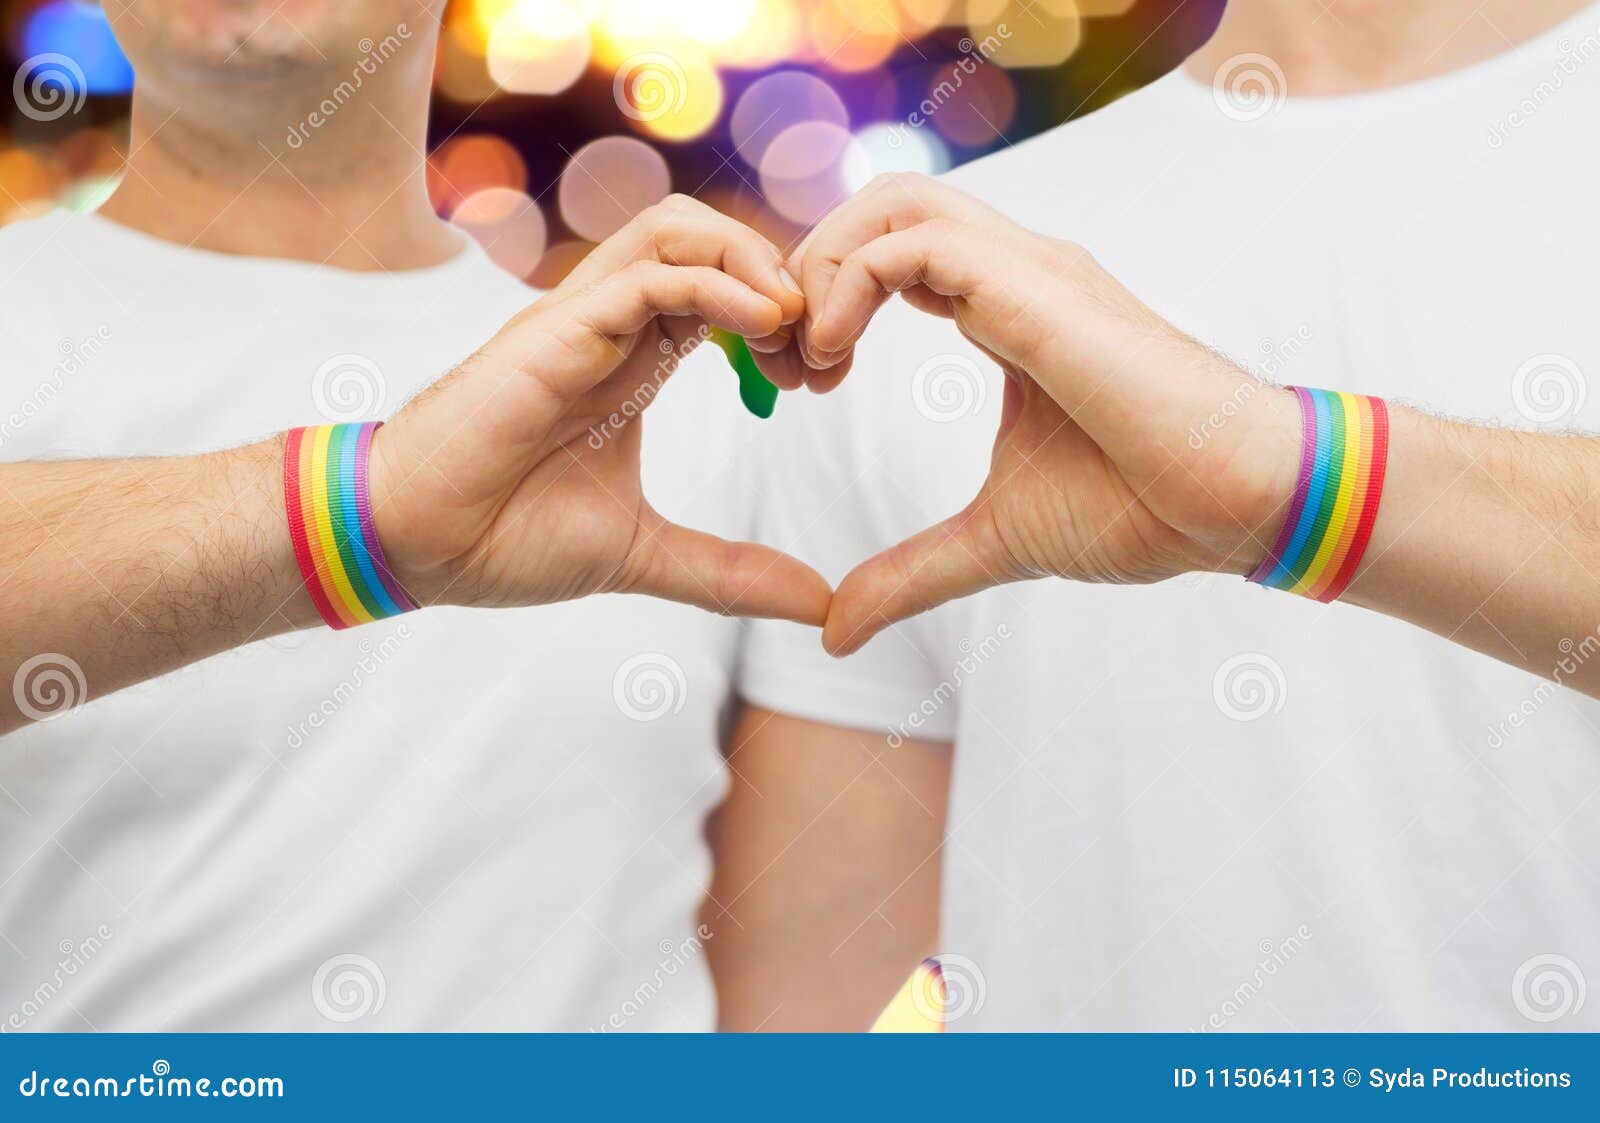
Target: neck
1327, 47
350, 193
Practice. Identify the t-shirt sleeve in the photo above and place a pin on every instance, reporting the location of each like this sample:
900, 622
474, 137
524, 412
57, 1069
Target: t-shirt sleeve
903, 444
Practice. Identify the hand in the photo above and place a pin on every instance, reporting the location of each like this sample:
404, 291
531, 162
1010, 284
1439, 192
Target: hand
514, 480
1109, 465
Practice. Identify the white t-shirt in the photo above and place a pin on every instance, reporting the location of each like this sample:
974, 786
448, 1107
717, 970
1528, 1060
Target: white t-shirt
1204, 804
452, 820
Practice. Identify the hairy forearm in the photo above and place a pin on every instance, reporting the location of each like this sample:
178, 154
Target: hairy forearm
1490, 538
131, 568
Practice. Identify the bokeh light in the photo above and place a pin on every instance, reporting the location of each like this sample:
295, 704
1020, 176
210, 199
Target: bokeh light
79, 31
893, 148
610, 181
974, 110
855, 35
539, 47
1024, 33
676, 97
465, 165
507, 224
778, 102
804, 170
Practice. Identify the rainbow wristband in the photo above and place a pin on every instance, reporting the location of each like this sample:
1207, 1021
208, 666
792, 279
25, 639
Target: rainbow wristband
1330, 520
330, 522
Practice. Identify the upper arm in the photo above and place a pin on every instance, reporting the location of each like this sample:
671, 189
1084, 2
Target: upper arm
826, 894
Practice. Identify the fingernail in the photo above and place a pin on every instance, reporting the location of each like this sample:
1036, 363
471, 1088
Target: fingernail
789, 282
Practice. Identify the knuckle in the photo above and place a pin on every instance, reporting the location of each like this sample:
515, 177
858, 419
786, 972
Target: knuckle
677, 204
896, 181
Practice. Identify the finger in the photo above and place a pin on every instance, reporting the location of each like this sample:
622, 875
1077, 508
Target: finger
946, 256
772, 344
629, 300
827, 381
730, 578
956, 558
887, 204
785, 369
684, 231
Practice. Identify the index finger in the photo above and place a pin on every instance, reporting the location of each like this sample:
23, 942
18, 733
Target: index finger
683, 231
888, 204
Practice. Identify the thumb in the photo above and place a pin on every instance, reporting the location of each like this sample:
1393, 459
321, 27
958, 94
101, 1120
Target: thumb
956, 558
730, 578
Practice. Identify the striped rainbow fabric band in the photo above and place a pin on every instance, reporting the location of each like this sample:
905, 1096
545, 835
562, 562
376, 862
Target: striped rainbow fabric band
330, 521
1330, 520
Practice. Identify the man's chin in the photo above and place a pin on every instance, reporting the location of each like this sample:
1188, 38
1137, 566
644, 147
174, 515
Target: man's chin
239, 39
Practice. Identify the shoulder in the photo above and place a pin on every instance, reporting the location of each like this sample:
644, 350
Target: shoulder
42, 278
34, 249
482, 274
33, 233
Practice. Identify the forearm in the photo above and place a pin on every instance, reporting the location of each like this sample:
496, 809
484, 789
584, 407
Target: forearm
826, 894
1490, 538
131, 568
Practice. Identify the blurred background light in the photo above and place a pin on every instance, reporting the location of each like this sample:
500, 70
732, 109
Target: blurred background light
539, 47
465, 165
803, 171
893, 148
1021, 33
778, 102
507, 224
854, 35
78, 31
608, 182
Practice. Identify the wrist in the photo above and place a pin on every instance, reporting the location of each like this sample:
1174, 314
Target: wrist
1323, 535
327, 506
1255, 481
248, 483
